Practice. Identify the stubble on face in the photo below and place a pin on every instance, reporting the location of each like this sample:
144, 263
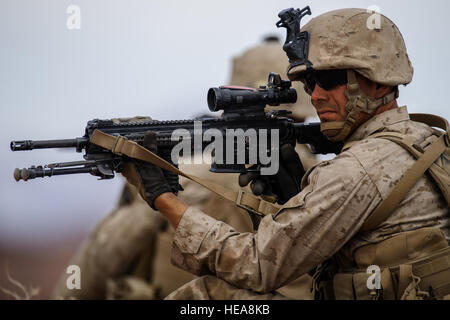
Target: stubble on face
330, 104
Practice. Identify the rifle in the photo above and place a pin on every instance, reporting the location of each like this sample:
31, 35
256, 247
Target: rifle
243, 109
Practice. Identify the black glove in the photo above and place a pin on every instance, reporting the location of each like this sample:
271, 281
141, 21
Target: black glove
146, 177
283, 185
172, 178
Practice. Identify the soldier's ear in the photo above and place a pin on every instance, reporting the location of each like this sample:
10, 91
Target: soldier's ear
372, 89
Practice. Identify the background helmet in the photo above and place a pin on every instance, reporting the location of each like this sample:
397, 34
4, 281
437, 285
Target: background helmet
252, 67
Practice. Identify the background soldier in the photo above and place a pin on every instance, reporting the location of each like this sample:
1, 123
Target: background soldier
127, 256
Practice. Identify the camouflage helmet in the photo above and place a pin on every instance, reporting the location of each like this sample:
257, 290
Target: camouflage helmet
252, 67
347, 39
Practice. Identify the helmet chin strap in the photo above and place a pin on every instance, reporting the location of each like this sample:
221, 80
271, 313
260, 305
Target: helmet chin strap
358, 102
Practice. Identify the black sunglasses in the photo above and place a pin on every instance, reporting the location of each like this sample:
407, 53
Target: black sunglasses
326, 79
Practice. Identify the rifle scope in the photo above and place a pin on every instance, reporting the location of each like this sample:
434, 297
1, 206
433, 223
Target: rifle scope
230, 97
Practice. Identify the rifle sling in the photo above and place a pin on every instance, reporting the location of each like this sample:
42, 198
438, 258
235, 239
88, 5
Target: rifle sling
408, 180
122, 146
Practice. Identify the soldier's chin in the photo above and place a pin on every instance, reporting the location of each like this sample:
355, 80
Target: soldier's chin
328, 117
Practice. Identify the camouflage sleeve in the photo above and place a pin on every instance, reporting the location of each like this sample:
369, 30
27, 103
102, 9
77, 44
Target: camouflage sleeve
331, 209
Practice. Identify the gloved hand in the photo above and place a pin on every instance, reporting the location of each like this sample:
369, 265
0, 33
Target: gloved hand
172, 178
283, 185
150, 180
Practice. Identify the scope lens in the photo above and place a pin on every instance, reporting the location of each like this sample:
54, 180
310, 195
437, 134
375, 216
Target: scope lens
212, 99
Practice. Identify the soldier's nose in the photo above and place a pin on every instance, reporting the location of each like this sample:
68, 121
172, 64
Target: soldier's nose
318, 94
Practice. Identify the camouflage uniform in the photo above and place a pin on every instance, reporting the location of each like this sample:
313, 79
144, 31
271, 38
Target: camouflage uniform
337, 197
320, 228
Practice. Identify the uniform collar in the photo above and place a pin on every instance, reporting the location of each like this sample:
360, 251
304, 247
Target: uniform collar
380, 122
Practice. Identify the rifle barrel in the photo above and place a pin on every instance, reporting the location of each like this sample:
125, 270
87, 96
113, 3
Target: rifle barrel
78, 143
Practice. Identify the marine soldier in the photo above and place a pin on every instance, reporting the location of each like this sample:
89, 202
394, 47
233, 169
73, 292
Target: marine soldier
354, 211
